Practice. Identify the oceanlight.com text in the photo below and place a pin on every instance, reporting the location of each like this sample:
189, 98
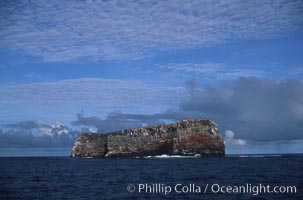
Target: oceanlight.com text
192, 188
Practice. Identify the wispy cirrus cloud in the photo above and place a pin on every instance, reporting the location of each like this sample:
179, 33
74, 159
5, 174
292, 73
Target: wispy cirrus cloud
95, 91
213, 70
198, 68
117, 30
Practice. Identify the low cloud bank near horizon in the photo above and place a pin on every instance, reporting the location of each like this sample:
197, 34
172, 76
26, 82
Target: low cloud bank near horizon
36, 134
248, 111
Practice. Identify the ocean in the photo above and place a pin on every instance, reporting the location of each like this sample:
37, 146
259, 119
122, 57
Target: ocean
163, 177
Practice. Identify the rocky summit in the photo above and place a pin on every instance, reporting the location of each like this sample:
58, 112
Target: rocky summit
187, 137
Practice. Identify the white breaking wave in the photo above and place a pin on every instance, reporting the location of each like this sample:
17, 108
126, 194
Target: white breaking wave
256, 156
173, 156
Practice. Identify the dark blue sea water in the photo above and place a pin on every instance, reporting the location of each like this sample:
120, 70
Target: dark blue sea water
83, 178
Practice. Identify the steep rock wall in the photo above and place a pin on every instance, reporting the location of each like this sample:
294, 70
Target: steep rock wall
188, 137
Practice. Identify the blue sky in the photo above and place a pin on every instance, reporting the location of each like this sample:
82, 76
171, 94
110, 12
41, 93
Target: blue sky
145, 62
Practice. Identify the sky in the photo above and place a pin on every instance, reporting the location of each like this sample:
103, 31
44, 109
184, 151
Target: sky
68, 67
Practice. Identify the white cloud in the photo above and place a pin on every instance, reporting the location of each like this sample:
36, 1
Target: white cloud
94, 91
240, 142
57, 124
115, 30
36, 134
203, 68
215, 70
229, 138
41, 131
235, 73
229, 134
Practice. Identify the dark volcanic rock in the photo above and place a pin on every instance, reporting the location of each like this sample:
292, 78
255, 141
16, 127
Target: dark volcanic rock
188, 137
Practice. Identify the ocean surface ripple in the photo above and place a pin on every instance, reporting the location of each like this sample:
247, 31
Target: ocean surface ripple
83, 178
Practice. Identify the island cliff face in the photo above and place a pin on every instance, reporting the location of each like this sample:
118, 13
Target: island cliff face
188, 137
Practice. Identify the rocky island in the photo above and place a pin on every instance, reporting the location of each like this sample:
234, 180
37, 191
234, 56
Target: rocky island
187, 137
